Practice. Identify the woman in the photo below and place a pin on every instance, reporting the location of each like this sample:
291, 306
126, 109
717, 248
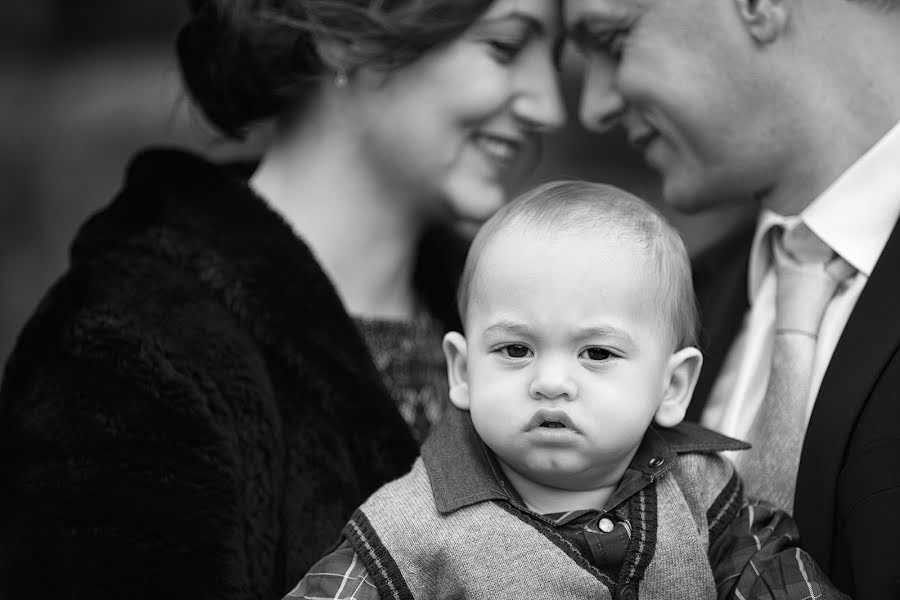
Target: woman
235, 360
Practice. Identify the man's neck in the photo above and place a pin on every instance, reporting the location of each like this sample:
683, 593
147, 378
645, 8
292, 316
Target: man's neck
808, 177
846, 98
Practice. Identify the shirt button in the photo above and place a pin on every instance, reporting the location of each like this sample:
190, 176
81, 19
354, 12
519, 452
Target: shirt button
605, 525
655, 462
627, 592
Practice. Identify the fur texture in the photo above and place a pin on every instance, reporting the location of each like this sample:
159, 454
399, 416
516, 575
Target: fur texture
190, 412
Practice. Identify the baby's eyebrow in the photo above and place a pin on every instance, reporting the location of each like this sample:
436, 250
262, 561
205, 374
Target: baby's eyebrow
508, 327
602, 331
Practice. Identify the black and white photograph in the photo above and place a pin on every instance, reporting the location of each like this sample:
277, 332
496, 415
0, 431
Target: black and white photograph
450, 299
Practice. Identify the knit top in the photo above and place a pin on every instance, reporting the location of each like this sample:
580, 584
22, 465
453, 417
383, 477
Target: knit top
409, 357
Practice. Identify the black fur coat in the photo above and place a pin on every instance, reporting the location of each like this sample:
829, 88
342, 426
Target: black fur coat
190, 412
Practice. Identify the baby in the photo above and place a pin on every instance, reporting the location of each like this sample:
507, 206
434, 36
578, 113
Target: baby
562, 468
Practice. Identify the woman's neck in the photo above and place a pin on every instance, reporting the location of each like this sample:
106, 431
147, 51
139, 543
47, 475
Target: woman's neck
363, 236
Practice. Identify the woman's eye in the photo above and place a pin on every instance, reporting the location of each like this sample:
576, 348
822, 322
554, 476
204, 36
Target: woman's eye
598, 354
516, 351
505, 51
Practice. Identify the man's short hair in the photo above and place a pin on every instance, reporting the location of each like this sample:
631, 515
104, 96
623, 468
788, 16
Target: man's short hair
880, 4
585, 207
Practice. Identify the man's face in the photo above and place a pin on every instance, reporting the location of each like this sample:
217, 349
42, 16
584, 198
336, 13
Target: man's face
684, 79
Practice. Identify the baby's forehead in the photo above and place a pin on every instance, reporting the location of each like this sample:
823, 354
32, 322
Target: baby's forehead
548, 258
532, 251
530, 237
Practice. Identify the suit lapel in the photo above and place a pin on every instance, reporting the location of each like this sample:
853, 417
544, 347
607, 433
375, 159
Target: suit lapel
870, 338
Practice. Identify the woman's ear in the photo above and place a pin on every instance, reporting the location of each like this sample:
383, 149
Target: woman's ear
681, 377
455, 351
764, 20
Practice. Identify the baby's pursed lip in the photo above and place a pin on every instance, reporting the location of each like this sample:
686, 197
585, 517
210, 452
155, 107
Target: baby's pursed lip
543, 417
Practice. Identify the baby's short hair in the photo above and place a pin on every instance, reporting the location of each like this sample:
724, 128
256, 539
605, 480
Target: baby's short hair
586, 207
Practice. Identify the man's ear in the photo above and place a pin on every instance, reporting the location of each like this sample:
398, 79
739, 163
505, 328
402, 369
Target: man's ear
765, 20
681, 377
456, 353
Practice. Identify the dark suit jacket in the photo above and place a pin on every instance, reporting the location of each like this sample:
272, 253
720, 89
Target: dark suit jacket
847, 503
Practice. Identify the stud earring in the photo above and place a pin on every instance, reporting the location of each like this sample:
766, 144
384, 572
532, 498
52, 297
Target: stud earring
340, 79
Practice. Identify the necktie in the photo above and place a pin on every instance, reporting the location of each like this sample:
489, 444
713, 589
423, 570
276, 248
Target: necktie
807, 275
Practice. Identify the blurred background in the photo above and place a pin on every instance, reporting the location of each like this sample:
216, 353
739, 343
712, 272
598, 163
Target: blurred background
84, 85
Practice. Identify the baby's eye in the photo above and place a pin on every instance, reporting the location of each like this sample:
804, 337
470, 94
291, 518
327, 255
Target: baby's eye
596, 353
516, 351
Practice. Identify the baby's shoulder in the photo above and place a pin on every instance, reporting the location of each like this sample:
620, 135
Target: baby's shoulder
706, 479
689, 438
410, 493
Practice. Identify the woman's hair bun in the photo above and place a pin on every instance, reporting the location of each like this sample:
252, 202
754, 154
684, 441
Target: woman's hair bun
197, 5
247, 60
240, 68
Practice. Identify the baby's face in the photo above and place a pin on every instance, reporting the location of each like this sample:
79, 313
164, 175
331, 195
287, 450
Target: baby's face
566, 354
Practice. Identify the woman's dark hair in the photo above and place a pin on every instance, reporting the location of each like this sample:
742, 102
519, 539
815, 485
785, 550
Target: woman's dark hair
247, 60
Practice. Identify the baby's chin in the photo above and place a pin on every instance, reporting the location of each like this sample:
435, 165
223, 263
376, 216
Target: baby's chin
561, 474
574, 482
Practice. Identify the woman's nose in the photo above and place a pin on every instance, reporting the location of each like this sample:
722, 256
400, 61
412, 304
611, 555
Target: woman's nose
538, 102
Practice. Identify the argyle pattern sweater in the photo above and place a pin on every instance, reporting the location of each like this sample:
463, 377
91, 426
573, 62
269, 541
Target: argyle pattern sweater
451, 529
486, 551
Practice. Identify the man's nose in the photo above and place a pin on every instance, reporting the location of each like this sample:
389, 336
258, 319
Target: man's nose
553, 379
602, 104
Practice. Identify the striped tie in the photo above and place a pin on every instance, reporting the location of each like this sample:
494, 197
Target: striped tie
807, 274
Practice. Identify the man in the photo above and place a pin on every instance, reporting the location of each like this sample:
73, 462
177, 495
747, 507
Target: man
793, 104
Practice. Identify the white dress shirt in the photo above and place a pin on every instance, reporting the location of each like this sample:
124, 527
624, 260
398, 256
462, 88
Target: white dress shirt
855, 217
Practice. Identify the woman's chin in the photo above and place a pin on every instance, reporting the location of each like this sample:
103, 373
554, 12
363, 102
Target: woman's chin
474, 200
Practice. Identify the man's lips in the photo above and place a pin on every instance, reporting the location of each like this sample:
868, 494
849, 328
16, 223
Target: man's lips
639, 140
551, 418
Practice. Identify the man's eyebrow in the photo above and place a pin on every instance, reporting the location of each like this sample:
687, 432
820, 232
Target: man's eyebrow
599, 21
608, 15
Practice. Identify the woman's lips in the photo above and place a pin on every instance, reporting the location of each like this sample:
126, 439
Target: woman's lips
500, 150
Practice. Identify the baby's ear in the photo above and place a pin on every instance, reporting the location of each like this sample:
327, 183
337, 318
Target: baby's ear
681, 377
455, 351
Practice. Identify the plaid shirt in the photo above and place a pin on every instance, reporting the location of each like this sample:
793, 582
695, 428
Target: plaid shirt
753, 546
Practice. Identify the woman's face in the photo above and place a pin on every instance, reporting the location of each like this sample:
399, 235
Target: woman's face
450, 126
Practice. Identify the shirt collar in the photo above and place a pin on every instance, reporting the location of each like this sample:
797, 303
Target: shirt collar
854, 216
760, 254
463, 471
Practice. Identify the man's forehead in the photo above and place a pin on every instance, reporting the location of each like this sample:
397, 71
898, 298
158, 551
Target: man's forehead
579, 11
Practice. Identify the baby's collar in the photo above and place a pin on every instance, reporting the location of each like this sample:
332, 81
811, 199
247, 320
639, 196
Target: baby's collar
463, 471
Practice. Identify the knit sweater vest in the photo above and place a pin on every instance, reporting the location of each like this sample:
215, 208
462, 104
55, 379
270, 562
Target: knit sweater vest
491, 550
